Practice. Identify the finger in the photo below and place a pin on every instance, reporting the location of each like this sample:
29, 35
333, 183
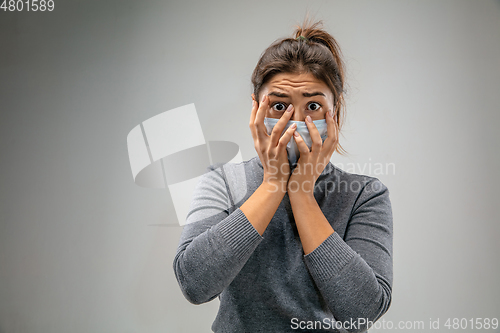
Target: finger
317, 142
281, 124
303, 148
285, 138
332, 130
260, 128
252, 118
331, 141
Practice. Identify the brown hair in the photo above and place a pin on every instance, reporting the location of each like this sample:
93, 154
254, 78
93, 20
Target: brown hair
312, 50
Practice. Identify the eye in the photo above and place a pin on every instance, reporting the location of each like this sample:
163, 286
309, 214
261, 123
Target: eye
279, 106
313, 106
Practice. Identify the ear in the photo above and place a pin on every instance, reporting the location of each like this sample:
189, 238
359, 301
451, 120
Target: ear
253, 97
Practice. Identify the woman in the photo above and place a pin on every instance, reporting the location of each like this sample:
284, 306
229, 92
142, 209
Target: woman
309, 246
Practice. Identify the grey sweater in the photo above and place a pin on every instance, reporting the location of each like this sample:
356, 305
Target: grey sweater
266, 283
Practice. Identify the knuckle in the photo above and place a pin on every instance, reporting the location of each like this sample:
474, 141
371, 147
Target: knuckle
275, 131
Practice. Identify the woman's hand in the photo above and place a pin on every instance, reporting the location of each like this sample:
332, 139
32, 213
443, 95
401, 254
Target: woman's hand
262, 204
272, 148
312, 225
312, 162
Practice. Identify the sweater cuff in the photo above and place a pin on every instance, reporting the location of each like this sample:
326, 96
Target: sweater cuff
329, 258
239, 234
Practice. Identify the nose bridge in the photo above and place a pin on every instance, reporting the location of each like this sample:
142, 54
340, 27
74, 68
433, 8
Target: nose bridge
298, 114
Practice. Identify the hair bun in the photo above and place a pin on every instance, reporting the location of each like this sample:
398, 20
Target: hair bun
314, 32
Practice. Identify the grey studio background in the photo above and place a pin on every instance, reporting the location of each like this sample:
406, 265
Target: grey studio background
84, 249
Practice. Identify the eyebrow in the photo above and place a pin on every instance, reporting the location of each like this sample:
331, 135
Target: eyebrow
306, 94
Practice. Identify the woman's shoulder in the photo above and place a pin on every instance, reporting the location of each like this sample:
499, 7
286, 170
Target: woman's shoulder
237, 172
357, 191
339, 171
235, 179
354, 182
252, 163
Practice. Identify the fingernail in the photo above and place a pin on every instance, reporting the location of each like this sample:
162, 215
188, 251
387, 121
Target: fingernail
263, 98
296, 134
289, 108
253, 103
308, 119
294, 125
330, 113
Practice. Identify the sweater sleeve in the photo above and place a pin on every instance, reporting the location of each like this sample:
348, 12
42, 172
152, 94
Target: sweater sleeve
354, 274
214, 244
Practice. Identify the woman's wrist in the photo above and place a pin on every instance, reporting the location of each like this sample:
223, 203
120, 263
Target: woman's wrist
262, 204
274, 185
300, 186
301, 195
312, 225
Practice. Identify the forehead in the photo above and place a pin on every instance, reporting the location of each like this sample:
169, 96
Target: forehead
303, 81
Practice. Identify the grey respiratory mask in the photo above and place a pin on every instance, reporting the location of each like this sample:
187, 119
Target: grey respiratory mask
291, 148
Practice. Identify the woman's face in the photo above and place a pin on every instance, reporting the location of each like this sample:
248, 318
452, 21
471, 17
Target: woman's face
308, 95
